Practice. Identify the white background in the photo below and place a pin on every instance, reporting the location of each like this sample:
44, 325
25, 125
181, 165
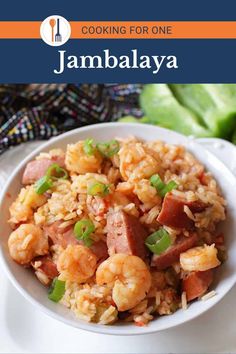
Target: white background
24, 329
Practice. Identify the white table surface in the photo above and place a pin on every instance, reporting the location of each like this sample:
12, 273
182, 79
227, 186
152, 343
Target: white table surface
24, 329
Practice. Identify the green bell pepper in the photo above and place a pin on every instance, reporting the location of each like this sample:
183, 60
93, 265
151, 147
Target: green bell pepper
162, 108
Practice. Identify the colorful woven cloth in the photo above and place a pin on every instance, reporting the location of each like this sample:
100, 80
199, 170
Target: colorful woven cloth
30, 112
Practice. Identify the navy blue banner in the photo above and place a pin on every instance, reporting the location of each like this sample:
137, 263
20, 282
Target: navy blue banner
198, 61
122, 10
120, 60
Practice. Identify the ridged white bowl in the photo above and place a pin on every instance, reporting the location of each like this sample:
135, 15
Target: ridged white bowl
31, 289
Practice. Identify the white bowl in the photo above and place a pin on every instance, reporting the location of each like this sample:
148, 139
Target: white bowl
31, 289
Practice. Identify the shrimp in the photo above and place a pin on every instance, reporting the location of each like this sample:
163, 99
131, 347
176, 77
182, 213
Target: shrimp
76, 264
22, 208
128, 276
79, 162
199, 258
146, 193
136, 162
27, 242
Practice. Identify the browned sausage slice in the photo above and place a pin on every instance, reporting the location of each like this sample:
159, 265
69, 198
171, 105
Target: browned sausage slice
49, 267
100, 249
45, 269
125, 234
171, 255
60, 236
172, 212
36, 169
65, 236
197, 283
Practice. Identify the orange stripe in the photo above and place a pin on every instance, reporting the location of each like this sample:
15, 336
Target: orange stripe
179, 29
10, 29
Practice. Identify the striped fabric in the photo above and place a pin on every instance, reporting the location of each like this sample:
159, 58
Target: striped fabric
40, 111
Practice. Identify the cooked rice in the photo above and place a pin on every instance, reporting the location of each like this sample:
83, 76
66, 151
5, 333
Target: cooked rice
64, 224
143, 319
50, 154
90, 303
208, 295
150, 216
158, 298
140, 308
131, 209
42, 277
127, 174
109, 316
189, 213
184, 301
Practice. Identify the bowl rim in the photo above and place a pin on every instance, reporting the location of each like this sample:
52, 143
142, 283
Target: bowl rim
95, 328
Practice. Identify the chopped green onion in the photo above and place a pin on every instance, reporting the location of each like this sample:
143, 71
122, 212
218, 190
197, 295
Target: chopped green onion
46, 182
160, 186
158, 242
56, 290
88, 147
156, 182
55, 172
108, 149
43, 184
83, 229
98, 189
168, 188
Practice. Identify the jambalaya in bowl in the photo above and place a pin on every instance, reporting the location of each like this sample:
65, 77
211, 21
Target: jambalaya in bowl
119, 231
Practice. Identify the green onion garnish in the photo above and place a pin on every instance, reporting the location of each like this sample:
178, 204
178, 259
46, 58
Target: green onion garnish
83, 229
161, 187
156, 182
56, 290
88, 147
55, 172
168, 188
46, 182
109, 148
158, 242
43, 184
98, 189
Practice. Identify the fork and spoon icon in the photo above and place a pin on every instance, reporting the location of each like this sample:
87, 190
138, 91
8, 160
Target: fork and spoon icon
55, 37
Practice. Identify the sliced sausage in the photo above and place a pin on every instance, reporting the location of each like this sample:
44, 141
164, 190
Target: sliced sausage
125, 234
36, 169
65, 236
172, 212
45, 269
60, 160
61, 236
196, 206
171, 255
47, 266
100, 249
197, 283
